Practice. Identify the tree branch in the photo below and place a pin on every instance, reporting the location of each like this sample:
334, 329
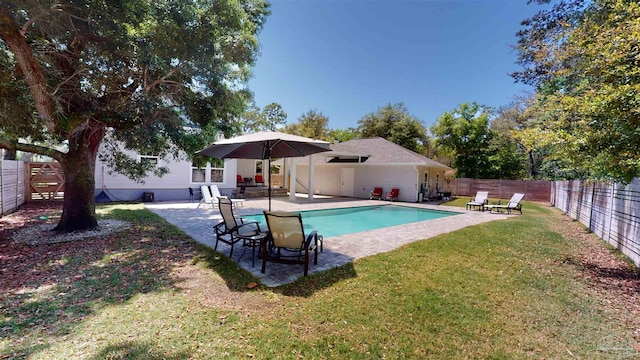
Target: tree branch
31, 148
10, 33
25, 26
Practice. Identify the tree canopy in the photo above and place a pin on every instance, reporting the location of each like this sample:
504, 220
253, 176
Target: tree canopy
465, 132
312, 124
394, 123
271, 117
583, 58
141, 72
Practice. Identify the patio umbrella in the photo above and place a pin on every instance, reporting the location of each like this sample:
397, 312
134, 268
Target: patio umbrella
265, 145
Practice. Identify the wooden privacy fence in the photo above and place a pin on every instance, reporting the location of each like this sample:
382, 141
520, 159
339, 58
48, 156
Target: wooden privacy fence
45, 181
501, 189
11, 185
611, 211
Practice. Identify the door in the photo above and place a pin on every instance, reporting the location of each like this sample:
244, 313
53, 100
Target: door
347, 178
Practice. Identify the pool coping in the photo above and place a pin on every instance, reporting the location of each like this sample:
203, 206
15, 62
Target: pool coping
339, 250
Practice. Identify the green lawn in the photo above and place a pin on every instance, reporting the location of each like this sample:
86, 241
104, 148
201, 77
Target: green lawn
502, 290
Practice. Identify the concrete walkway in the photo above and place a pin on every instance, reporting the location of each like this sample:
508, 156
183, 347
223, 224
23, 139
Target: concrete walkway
198, 223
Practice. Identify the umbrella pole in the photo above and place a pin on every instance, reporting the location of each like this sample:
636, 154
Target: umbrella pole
269, 182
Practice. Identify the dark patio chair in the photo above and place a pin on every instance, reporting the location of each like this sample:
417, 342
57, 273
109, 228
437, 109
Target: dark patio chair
232, 229
287, 242
194, 195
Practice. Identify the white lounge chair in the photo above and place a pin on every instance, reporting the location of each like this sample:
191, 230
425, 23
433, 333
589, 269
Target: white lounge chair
513, 204
481, 199
215, 193
207, 198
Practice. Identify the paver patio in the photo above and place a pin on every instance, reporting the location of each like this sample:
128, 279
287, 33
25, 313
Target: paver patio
339, 250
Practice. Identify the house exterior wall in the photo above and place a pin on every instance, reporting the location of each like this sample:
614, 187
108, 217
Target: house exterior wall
328, 179
247, 168
170, 187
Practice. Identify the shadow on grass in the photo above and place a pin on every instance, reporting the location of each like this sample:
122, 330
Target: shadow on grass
134, 350
306, 286
46, 289
237, 278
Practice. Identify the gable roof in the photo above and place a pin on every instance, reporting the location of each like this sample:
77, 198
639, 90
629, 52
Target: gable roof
382, 151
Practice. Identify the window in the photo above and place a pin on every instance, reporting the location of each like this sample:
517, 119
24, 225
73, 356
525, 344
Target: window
259, 167
198, 174
217, 170
425, 181
213, 172
149, 159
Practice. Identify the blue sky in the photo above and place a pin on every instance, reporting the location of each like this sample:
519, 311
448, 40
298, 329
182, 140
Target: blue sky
347, 58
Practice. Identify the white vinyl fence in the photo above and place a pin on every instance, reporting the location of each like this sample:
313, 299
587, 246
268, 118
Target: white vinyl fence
11, 185
611, 211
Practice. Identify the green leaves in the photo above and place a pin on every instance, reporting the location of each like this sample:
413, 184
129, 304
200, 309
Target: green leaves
394, 123
585, 59
465, 131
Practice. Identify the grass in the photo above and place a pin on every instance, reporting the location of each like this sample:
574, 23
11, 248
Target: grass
500, 290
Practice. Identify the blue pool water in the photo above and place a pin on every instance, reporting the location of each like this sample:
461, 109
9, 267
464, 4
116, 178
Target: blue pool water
334, 222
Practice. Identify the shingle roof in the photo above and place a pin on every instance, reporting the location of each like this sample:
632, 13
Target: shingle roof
382, 151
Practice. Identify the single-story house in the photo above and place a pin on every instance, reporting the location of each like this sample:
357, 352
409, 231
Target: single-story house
353, 168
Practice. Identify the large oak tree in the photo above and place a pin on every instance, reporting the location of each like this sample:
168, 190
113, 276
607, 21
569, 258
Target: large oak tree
140, 72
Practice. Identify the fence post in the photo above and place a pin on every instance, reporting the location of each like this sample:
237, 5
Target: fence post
17, 183
613, 192
1, 187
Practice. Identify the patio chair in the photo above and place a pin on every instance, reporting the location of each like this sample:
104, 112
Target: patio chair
193, 194
259, 180
240, 180
287, 241
393, 195
239, 193
513, 204
233, 229
206, 197
376, 193
481, 199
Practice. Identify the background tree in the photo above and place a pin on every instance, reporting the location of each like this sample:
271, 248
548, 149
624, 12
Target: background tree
582, 56
274, 116
254, 119
394, 123
465, 131
312, 124
505, 127
342, 135
73, 72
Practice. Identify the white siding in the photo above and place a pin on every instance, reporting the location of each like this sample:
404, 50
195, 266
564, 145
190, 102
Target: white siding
327, 179
172, 186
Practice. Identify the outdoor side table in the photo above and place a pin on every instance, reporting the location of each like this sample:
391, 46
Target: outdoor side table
252, 241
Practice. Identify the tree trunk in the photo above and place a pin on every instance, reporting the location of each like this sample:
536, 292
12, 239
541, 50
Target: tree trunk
79, 209
532, 168
10, 154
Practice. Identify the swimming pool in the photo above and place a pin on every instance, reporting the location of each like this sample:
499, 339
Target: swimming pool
335, 222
